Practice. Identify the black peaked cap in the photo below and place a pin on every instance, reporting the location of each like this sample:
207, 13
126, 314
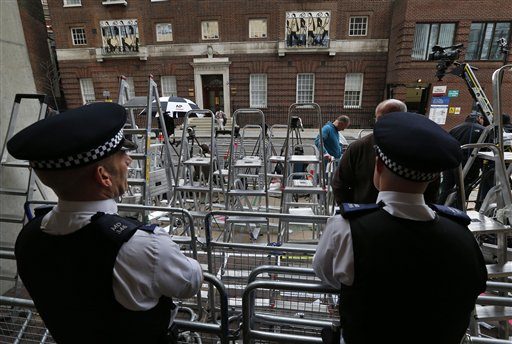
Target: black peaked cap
73, 138
414, 147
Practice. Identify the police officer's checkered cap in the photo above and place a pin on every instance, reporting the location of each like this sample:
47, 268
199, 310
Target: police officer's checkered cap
414, 147
73, 138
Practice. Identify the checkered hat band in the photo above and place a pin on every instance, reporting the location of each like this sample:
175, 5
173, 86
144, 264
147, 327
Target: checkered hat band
81, 158
405, 172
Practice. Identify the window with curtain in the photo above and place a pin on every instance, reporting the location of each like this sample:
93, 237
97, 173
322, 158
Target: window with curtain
72, 3
163, 32
258, 90
257, 28
483, 40
168, 86
210, 30
430, 34
305, 88
87, 90
353, 90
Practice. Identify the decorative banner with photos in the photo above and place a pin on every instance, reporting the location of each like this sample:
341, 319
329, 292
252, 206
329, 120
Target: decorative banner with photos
119, 36
309, 29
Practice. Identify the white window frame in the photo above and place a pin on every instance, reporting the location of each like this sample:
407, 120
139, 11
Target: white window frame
77, 37
72, 3
87, 90
305, 88
256, 24
353, 94
207, 33
258, 90
356, 29
160, 37
168, 86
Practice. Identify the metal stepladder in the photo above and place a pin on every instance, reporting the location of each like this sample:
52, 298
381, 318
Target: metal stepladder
247, 183
299, 183
20, 168
153, 171
194, 186
22, 182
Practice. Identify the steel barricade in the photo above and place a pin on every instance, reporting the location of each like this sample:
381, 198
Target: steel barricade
20, 322
233, 263
250, 318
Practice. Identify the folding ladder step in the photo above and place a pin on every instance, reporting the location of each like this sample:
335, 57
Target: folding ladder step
245, 219
246, 193
304, 190
135, 131
137, 156
304, 159
136, 181
489, 313
499, 270
195, 188
248, 163
197, 161
276, 158
11, 218
15, 164
13, 192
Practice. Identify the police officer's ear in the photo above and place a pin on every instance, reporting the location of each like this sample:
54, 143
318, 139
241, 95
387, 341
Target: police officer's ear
379, 165
102, 176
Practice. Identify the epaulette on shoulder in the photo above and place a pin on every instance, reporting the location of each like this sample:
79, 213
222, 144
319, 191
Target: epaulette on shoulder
451, 213
351, 210
117, 228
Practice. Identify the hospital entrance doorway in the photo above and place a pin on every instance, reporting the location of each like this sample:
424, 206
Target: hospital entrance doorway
213, 94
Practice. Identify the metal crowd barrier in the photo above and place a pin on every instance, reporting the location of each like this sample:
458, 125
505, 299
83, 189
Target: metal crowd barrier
20, 322
250, 318
234, 262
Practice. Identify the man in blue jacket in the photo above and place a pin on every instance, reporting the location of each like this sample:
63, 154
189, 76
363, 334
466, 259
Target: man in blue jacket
331, 138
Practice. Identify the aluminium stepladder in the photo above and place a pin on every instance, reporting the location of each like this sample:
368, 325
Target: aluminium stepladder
304, 189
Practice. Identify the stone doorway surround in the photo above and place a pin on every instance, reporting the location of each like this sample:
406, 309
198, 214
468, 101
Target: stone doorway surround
209, 66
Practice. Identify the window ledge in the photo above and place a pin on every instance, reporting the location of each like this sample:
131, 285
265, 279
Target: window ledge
142, 55
115, 2
74, 5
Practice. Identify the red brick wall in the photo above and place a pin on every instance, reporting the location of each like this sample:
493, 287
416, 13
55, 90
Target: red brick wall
393, 20
34, 29
233, 17
403, 70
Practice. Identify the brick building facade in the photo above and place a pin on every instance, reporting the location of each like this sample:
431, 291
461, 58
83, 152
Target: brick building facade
345, 55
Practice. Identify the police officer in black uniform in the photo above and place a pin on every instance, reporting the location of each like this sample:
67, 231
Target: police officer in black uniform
408, 272
95, 277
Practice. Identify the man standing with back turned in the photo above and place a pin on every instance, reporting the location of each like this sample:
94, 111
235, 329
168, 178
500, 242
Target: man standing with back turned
331, 137
403, 268
353, 179
95, 277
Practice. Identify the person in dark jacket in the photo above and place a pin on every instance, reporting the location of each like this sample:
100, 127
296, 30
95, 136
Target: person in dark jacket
353, 179
404, 268
94, 276
467, 132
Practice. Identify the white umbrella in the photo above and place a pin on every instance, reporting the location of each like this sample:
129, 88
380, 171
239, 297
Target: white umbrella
177, 106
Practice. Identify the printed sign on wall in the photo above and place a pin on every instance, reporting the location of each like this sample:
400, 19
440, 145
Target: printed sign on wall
308, 29
119, 36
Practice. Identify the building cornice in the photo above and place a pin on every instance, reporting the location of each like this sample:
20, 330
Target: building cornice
229, 48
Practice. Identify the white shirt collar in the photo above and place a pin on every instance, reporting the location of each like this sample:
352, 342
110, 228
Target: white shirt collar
67, 216
406, 205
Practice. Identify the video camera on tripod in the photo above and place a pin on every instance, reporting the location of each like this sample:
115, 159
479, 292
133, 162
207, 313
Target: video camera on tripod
446, 57
296, 123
